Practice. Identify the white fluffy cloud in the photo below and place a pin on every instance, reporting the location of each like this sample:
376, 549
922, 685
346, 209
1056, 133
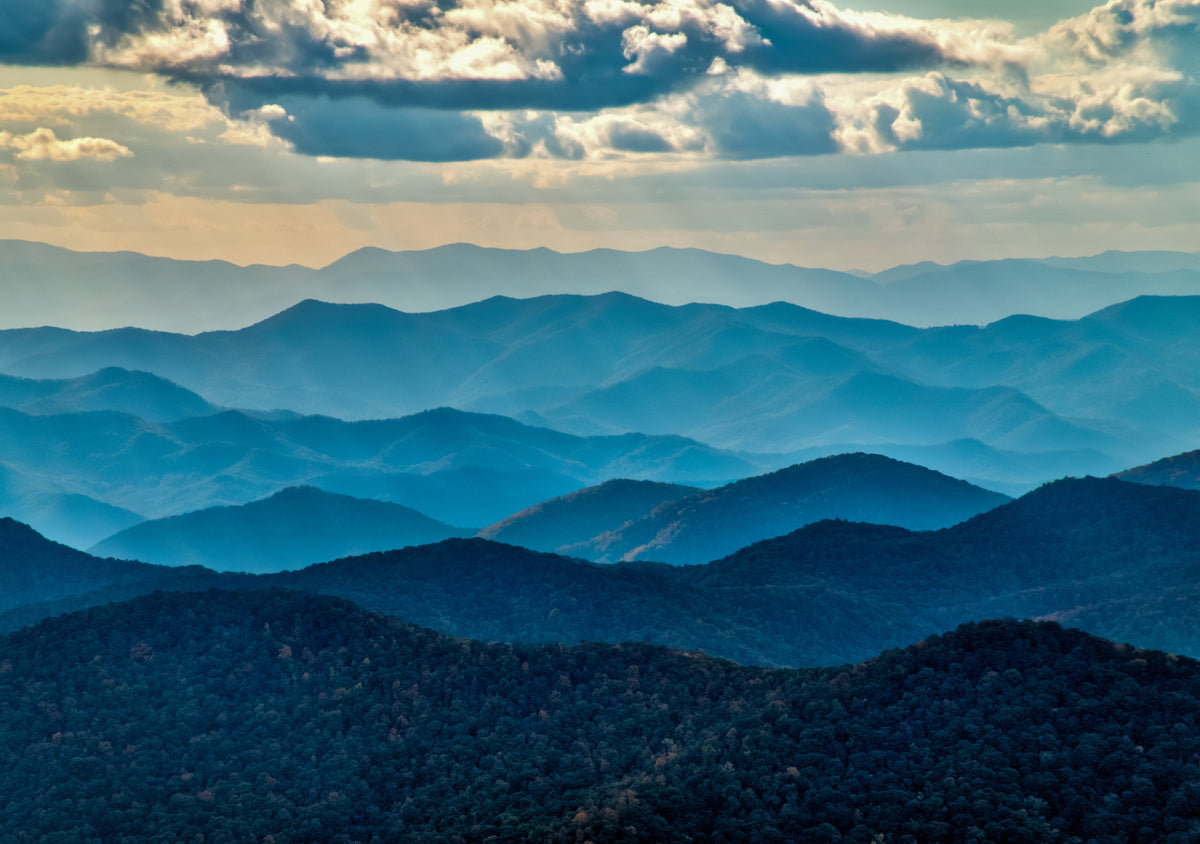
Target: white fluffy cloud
43, 145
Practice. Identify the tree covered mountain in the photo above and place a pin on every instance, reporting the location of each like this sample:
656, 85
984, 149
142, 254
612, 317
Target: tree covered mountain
247, 716
1121, 560
295, 527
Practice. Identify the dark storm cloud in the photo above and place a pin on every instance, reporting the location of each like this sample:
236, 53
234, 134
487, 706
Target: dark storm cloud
42, 33
394, 80
798, 44
359, 128
638, 139
272, 47
745, 127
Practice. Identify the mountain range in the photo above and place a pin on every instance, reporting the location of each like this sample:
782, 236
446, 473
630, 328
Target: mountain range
40, 284
1118, 559
619, 519
1010, 405
459, 468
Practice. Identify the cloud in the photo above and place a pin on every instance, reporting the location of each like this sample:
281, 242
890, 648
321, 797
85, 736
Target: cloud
744, 126
1121, 28
430, 80
179, 112
530, 53
43, 145
43, 33
360, 128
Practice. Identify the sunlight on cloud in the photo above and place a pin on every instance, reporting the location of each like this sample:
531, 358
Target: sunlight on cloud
43, 145
692, 101
62, 103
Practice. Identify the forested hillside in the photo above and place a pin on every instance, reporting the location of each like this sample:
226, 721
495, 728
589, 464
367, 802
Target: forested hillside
289, 717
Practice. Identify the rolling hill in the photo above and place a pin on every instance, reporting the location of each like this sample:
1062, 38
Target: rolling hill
1120, 559
579, 516
295, 527
136, 393
1181, 470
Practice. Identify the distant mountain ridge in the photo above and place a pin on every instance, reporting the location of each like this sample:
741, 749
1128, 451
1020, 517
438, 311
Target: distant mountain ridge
1094, 395
707, 524
112, 388
619, 519
191, 296
459, 468
295, 527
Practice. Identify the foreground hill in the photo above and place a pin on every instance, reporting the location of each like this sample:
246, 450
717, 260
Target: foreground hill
282, 715
857, 487
40, 578
295, 527
1121, 560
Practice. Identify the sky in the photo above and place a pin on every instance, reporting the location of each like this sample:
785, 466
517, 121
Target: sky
849, 137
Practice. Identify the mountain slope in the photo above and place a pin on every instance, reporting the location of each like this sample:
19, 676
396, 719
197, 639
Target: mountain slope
577, 517
279, 714
295, 527
859, 487
70, 517
1115, 557
1133, 364
1181, 470
136, 393
39, 578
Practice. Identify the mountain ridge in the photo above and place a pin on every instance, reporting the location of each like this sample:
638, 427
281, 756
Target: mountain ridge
292, 528
208, 295
775, 379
